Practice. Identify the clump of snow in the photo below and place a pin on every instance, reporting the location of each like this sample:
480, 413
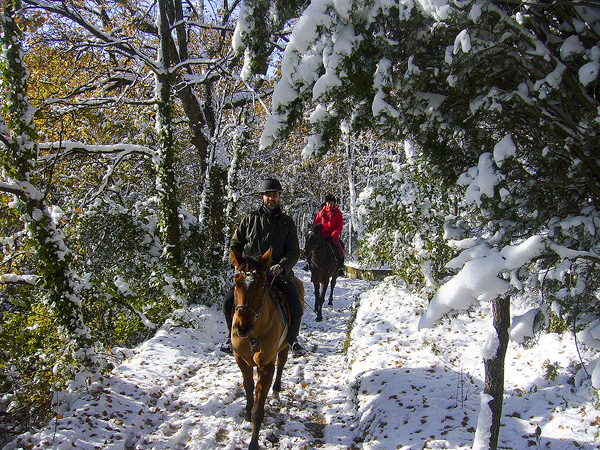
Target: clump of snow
504, 149
523, 326
462, 41
478, 280
490, 347
480, 180
588, 73
484, 422
571, 46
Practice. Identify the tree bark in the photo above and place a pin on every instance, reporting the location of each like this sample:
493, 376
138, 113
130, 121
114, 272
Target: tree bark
494, 367
17, 160
168, 204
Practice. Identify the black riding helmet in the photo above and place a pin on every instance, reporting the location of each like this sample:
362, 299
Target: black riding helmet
270, 185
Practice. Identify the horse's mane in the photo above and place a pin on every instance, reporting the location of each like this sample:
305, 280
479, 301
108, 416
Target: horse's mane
252, 260
312, 226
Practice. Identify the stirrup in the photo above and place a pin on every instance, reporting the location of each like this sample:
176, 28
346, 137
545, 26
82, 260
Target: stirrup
297, 349
226, 346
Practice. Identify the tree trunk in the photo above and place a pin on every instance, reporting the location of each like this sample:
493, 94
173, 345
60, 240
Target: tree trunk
352, 191
212, 212
494, 367
168, 204
240, 149
18, 158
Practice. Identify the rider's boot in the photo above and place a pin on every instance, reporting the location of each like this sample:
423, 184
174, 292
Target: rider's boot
226, 346
292, 337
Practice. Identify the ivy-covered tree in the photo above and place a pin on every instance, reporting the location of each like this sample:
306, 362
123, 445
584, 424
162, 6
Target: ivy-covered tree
49, 268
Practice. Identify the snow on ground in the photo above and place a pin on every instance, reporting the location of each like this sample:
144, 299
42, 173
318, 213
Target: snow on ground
390, 386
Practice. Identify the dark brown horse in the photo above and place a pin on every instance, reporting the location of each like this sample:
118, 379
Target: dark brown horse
323, 265
258, 334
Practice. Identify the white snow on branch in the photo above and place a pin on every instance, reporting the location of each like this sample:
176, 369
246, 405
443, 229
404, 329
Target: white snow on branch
480, 180
462, 41
120, 148
478, 280
13, 278
504, 149
21, 188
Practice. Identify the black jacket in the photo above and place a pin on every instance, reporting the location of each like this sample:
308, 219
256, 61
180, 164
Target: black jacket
263, 229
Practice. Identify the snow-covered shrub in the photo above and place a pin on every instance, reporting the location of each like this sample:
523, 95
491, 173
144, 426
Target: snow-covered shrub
404, 213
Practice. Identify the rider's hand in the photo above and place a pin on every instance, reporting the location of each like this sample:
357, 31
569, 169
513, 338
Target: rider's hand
275, 270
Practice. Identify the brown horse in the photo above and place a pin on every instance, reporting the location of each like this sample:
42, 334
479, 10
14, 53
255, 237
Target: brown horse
323, 265
258, 333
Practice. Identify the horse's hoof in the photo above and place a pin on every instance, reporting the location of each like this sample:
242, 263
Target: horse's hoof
248, 417
276, 388
330, 303
253, 445
319, 318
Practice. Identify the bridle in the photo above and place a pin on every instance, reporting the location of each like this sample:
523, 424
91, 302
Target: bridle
254, 343
263, 300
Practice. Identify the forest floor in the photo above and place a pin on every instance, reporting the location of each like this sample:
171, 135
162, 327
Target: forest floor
372, 380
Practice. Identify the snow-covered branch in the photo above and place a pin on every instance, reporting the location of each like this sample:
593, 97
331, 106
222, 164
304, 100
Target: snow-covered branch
573, 255
21, 188
479, 279
19, 279
71, 147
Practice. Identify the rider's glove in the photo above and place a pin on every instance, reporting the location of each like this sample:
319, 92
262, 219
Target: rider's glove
275, 270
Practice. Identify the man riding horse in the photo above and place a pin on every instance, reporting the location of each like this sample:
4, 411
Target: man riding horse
270, 227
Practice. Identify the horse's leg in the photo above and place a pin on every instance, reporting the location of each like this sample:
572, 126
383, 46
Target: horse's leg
263, 384
323, 294
248, 374
318, 302
282, 357
333, 281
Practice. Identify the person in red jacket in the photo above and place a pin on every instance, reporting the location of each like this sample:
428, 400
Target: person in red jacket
330, 217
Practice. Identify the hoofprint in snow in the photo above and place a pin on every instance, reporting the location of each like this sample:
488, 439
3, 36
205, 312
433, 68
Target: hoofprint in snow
390, 386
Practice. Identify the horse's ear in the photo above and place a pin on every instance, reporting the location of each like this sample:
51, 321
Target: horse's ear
236, 258
266, 258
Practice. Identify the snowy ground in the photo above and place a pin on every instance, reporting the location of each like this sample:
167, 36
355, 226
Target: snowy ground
394, 388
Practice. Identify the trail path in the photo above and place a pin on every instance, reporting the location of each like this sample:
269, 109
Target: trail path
397, 387
205, 409
178, 391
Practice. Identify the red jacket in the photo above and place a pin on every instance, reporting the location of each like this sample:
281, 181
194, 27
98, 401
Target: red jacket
332, 221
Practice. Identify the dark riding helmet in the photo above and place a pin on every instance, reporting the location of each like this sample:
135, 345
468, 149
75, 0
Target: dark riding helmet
270, 185
330, 198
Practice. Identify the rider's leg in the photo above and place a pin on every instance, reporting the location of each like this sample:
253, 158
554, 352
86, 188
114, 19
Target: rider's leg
291, 294
228, 312
228, 309
340, 255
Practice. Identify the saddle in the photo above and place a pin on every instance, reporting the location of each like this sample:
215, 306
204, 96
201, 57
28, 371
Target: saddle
281, 300
282, 305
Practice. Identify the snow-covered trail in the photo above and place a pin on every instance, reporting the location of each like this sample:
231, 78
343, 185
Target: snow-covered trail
397, 387
178, 391
206, 407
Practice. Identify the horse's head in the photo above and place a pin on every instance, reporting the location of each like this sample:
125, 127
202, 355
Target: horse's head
251, 289
313, 237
